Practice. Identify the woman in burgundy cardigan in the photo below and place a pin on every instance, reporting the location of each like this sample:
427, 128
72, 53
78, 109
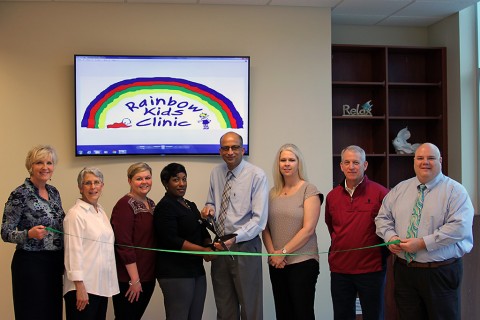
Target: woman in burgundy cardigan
132, 222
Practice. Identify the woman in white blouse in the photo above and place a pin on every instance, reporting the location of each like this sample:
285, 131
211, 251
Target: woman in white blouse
90, 271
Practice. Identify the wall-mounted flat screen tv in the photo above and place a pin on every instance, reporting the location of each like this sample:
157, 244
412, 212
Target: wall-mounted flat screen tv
159, 105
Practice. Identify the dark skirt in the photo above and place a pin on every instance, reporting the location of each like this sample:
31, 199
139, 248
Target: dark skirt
37, 283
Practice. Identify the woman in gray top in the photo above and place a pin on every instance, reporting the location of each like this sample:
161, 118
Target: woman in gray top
293, 213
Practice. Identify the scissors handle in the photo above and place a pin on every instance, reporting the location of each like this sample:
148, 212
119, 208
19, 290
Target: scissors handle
210, 225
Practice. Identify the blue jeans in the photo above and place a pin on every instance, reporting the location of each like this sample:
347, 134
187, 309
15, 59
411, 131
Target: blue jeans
370, 288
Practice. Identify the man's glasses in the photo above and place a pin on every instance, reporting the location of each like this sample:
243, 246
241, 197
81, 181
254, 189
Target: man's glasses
95, 183
234, 148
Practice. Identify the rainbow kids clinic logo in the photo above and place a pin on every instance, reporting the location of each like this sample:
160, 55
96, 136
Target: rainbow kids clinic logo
160, 102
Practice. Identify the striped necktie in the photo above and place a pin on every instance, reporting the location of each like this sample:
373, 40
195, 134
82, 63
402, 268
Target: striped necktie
412, 230
224, 204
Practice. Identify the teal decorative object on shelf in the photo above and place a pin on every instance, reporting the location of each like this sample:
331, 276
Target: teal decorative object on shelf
365, 110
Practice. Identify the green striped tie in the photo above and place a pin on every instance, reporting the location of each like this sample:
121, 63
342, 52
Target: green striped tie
412, 230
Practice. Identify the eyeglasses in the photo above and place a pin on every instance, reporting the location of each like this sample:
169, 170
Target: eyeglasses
234, 148
95, 183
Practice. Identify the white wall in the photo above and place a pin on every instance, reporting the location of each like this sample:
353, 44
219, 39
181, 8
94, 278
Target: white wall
290, 102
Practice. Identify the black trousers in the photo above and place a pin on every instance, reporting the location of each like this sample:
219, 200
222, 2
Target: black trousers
96, 308
37, 283
370, 288
294, 290
126, 310
428, 293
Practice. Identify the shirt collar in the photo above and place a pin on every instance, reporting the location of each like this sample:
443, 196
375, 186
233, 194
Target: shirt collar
351, 191
88, 207
32, 187
432, 183
236, 171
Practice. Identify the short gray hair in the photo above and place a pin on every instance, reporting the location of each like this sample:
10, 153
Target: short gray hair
95, 171
357, 149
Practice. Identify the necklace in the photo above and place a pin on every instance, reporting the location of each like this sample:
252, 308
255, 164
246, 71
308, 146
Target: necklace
184, 203
289, 190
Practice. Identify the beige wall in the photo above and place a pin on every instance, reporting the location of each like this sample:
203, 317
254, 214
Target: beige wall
290, 87
290, 102
462, 95
381, 36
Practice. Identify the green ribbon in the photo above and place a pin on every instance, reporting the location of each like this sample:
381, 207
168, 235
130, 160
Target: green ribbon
229, 253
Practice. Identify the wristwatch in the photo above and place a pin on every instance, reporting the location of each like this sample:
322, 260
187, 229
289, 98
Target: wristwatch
284, 251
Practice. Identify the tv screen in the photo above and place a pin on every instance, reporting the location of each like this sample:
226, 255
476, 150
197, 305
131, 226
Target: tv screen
159, 105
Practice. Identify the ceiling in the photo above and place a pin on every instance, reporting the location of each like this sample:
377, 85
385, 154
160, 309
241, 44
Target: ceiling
402, 13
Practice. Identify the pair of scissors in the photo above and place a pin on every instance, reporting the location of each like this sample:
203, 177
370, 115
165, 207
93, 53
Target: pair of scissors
210, 225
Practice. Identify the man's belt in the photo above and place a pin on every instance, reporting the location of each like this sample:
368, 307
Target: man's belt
434, 264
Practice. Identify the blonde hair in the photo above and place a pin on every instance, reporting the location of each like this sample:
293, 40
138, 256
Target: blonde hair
136, 168
278, 180
40, 152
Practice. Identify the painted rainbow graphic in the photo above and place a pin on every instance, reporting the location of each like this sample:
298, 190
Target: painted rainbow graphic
217, 103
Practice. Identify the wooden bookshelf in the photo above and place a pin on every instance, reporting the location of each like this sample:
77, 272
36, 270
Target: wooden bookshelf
407, 88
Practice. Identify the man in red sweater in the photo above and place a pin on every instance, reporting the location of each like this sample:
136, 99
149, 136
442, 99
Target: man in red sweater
350, 210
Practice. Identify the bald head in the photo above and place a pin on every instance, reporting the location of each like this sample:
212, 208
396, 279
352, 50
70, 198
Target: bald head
427, 162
